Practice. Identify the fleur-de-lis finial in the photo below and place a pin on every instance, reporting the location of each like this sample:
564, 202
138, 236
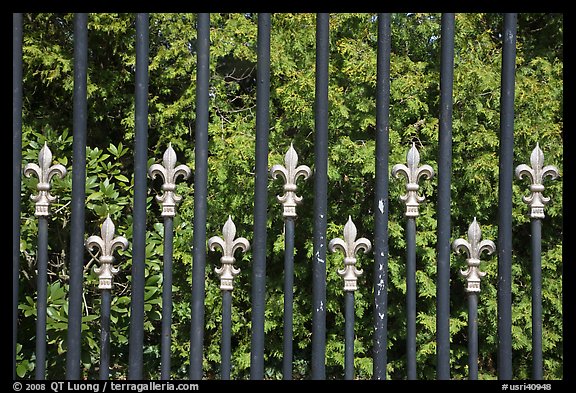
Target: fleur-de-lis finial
107, 243
350, 246
228, 245
536, 174
44, 172
169, 172
290, 172
473, 247
413, 173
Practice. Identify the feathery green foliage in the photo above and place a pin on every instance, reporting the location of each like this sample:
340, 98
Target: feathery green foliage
414, 112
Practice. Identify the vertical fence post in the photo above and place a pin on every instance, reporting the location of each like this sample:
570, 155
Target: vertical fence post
41, 301
78, 204
381, 198
536, 200
290, 172
200, 195
106, 243
136, 340
260, 197
320, 199
166, 332
473, 247
169, 173
288, 297
16, 172
411, 297
506, 172
349, 247
45, 172
226, 272
412, 172
444, 178
105, 305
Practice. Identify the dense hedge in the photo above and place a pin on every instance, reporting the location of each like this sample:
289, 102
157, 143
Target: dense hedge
414, 111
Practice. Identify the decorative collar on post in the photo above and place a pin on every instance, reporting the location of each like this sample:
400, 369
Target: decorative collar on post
412, 172
290, 172
44, 172
228, 246
169, 172
473, 247
106, 243
350, 246
536, 174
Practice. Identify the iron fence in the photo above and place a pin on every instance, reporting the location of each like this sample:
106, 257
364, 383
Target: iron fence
290, 173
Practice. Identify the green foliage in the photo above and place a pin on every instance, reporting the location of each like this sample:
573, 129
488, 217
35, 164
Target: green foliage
414, 110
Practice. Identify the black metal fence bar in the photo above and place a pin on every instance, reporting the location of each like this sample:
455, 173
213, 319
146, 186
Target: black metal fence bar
226, 272
44, 171
41, 283
444, 179
381, 202
381, 199
536, 200
474, 247
200, 195
290, 172
16, 172
413, 172
136, 339
473, 335
106, 243
349, 246
166, 334
506, 170
288, 297
411, 297
168, 200
78, 203
320, 199
106, 299
260, 197
349, 335
536, 229
226, 343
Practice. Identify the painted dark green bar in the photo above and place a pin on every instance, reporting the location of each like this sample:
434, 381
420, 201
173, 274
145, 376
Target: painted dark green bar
78, 204
320, 200
16, 172
506, 171
260, 197
200, 196
444, 197
136, 339
381, 200
166, 335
